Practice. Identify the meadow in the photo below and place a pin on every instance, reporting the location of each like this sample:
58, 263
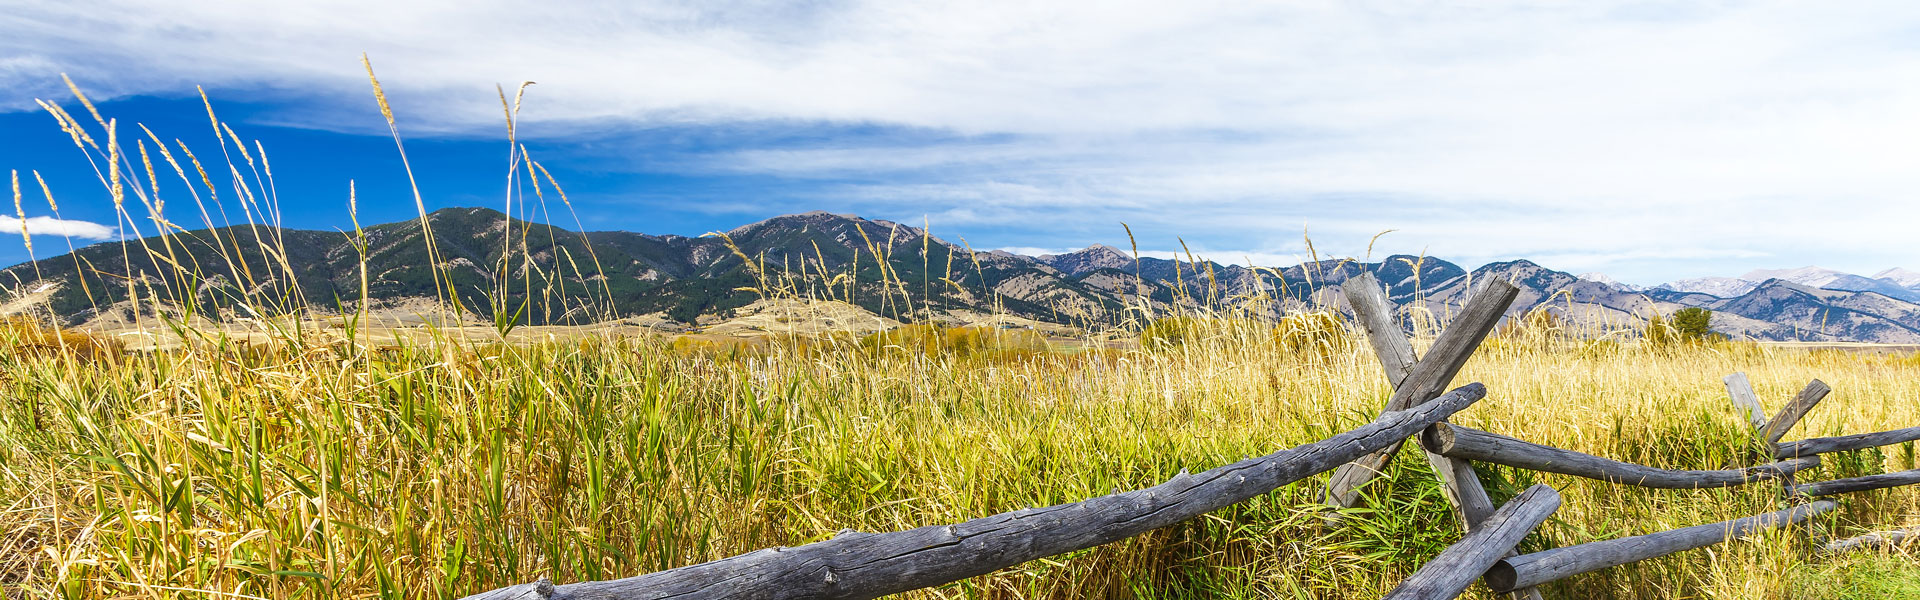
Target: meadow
323, 459
449, 466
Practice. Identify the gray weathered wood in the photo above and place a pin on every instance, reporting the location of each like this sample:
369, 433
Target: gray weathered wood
1856, 484
1740, 391
1448, 574
1790, 415
1812, 446
1879, 539
1458, 482
538, 590
1375, 316
1424, 379
1473, 444
861, 565
1552, 565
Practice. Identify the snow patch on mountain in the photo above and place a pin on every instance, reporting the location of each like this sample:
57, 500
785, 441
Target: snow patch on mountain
1724, 287
1603, 279
1900, 277
1809, 276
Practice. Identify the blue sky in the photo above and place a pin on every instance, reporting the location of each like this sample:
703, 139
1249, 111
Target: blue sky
1650, 141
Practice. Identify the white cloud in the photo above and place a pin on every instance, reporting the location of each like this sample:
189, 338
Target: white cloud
1596, 129
60, 227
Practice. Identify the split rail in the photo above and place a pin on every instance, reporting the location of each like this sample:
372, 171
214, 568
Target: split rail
858, 565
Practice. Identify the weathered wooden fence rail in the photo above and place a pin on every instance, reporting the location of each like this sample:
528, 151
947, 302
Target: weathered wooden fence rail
1473, 444
1455, 568
858, 565
1878, 539
1529, 570
869, 565
1828, 445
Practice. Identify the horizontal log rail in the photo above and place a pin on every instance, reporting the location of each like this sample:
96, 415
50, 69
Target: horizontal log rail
857, 565
1856, 484
865, 565
1474, 444
1529, 570
1858, 441
1878, 539
1456, 567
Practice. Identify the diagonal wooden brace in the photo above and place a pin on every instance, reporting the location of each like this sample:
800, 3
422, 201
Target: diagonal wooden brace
1418, 381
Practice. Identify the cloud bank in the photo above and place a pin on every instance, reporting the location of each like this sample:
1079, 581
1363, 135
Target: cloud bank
1596, 131
57, 227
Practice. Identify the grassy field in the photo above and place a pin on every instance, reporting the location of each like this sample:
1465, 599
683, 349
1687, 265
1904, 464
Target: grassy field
293, 460
446, 466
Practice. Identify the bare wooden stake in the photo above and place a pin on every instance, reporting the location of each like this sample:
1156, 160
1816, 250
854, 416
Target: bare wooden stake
1449, 574
1791, 414
1740, 391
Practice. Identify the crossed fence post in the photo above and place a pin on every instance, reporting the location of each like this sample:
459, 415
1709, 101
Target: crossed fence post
1416, 381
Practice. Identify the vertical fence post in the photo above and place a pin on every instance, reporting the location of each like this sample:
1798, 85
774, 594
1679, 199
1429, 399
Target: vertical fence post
1740, 391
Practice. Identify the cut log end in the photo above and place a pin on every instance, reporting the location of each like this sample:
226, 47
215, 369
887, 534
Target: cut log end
1438, 439
1501, 576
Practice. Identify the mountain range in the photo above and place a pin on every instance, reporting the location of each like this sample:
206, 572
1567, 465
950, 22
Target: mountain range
498, 266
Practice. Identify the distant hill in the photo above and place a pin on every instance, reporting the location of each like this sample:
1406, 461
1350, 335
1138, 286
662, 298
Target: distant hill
554, 275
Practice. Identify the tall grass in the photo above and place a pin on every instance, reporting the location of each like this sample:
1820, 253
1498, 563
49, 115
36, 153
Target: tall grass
434, 462
443, 468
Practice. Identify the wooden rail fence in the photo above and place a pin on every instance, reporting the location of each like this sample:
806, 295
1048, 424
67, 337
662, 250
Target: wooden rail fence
857, 565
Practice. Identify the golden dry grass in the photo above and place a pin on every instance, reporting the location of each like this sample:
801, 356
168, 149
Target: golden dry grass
437, 462
448, 467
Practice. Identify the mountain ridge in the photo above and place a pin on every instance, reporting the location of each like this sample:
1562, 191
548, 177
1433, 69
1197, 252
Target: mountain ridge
884, 267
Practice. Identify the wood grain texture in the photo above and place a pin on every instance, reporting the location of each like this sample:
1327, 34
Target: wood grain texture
1473, 444
1374, 313
1790, 415
1423, 380
1529, 570
863, 565
1449, 574
1856, 484
1740, 391
1812, 446
1462, 487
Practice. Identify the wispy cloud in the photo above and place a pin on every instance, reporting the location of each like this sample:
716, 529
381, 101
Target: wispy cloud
1595, 129
56, 227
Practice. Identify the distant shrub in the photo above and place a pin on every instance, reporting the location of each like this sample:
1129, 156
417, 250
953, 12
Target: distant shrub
1688, 325
1659, 332
1539, 329
24, 336
722, 349
961, 342
1166, 332
1693, 323
1320, 333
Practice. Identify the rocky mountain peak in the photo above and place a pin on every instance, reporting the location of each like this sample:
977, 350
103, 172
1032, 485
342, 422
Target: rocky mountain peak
1093, 258
1900, 276
1808, 275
